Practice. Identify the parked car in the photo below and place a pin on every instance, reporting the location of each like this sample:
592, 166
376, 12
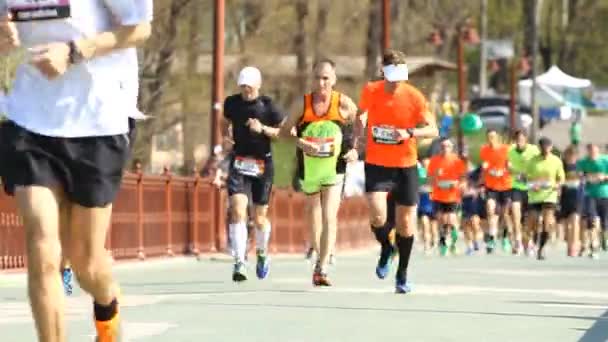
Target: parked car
498, 118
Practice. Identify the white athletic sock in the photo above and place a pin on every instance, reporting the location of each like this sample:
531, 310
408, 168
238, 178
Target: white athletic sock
238, 234
262, 236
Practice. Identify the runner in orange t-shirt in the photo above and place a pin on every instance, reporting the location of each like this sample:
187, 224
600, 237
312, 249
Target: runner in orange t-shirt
447, 172
497, 181
396, 114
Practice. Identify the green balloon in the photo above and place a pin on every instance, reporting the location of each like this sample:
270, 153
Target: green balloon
471, 123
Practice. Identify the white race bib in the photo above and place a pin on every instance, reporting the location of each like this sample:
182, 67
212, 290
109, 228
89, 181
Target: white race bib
249, 166
30, 10
384, 135
496, 172
446, 184
327, 147
572, 184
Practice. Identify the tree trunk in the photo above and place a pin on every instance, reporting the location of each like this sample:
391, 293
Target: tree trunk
300, 44
321, 25
191, 115
374, 32
157, 64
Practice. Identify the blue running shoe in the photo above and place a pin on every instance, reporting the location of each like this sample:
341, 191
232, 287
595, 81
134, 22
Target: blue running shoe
263, 265
67, 276
384, 268
403, 287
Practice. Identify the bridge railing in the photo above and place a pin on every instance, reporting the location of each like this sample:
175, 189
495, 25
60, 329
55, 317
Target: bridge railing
165, 215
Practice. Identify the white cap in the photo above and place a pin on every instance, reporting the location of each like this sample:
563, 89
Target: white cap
250, 76
395, 73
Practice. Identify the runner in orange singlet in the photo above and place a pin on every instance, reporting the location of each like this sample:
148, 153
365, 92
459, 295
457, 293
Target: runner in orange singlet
497, 181
447, 172
396, 114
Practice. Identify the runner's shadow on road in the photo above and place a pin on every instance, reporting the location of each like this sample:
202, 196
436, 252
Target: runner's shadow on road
598, 332
549, 302
603, 320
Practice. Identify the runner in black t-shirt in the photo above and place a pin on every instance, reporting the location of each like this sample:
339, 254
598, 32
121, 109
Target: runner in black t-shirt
254, 120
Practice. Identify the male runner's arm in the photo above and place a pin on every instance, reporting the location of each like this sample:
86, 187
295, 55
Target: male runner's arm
271, 130
348, 110
286, 131
53, 59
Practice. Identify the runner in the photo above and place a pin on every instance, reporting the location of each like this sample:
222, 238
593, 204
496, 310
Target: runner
325, 147
497, 183
545, 174
595, 169
520, 153
251, 121
396, 114
447, 172
571, 199
65, 143
425, 209
472, 210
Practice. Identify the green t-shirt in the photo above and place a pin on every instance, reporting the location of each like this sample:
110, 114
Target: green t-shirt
589, 167
423, 179
545, 172
320, 169
519, 163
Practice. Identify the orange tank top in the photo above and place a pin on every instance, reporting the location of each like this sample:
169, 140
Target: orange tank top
332, 114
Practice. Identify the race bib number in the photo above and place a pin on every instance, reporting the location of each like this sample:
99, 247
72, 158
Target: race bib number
327, 147
30, 10
384, 135
446, 184
249, 166
496, 172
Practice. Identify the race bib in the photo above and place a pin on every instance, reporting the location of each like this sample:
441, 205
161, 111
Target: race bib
540, 185
572, 184
384, 135
424, 189
249, 166
446, 184
496, 172
327, 147
30, 10
594, 178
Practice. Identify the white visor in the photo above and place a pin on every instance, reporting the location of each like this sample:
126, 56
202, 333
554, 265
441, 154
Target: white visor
395, 73
250, 76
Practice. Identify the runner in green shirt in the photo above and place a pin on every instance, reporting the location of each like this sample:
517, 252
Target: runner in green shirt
520, 154
595, 170
545, 174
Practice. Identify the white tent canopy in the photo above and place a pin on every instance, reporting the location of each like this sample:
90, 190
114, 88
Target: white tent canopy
555, 77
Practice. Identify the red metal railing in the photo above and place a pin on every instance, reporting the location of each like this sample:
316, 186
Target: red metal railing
167, 215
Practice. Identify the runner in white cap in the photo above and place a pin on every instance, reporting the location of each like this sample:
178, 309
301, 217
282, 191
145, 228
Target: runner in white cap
251, 120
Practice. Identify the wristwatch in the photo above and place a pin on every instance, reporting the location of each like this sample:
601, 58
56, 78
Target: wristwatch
76, 56
410, 132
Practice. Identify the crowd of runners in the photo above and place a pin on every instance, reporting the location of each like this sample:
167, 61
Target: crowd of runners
517, 196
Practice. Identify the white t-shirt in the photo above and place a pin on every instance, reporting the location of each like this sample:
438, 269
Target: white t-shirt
94, 98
